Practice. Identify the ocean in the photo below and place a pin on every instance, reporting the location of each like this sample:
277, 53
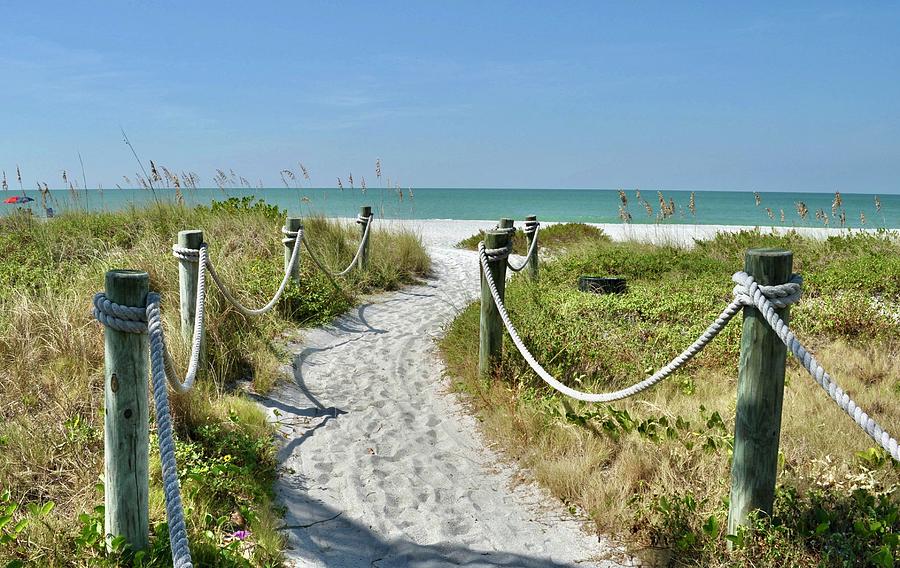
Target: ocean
586, 205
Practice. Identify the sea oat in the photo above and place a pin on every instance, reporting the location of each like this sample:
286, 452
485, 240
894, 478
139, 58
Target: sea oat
862, 218
5, 185
782, 216
836, 203
757, 198
770, 213
378, 168
304, 171
154, 174
350, 179
340, 184
692, 205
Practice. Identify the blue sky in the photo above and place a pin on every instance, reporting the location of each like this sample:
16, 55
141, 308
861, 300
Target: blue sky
672, 95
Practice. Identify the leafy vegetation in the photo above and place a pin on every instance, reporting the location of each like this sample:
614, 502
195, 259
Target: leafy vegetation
554, 237
655, 469
51, 416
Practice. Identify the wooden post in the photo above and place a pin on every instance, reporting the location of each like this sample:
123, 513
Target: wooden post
533, 261
292, 224
759, 398
507, 224
127, 418
188, 270
366, 213
490, 348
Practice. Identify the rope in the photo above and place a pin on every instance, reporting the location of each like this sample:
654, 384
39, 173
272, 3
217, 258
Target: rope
201, 256
111, 315
754, 295
676, 363
362, 242
747, 292
297, 238
529, 230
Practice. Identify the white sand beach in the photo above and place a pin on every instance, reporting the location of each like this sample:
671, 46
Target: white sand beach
383, 465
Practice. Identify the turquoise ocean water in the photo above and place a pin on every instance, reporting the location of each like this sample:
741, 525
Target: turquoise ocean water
588, 205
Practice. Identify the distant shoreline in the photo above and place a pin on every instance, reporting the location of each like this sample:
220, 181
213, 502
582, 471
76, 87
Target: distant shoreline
448, 232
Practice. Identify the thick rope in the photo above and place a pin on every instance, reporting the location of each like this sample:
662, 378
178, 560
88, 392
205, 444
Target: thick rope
295, 254
747, 292
733, 308
362, 243
531, 250
754, 295
201, 256
181, 553
110, 314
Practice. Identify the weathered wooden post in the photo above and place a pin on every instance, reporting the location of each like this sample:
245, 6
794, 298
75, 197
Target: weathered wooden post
759, 397
506, 224
293, 224
188, 271
490, 348
127, 418
531, 235
365, 212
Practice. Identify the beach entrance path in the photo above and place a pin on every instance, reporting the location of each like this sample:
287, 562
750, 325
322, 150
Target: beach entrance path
383, 467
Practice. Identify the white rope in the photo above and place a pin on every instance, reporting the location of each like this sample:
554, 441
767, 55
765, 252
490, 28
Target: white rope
663, 373
181, 552
531, 250
129, 320
202, 258
747, 292
298, 237
753, 294
362, 243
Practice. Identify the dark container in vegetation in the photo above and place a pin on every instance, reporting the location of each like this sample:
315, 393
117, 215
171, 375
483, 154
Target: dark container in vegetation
602, 285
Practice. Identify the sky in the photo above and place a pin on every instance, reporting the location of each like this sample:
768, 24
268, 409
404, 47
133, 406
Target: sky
786, 96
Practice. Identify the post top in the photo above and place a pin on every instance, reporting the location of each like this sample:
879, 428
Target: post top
507, 222
190, 232
366, 209
768, 252
127, 274
531, 217
127, 287
495, 239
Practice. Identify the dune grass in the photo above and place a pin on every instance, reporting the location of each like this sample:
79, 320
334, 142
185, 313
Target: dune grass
553, 237
655, 469
51, 375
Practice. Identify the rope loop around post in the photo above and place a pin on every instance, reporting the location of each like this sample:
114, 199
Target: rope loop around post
531, 228
128, 319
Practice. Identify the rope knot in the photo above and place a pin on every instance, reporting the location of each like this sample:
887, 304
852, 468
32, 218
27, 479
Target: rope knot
747, 291
363, 220
531, 227
189, 254
129, 319
290, 237
496, 254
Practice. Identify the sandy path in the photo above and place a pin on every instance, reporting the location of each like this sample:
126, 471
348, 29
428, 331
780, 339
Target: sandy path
383, 467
